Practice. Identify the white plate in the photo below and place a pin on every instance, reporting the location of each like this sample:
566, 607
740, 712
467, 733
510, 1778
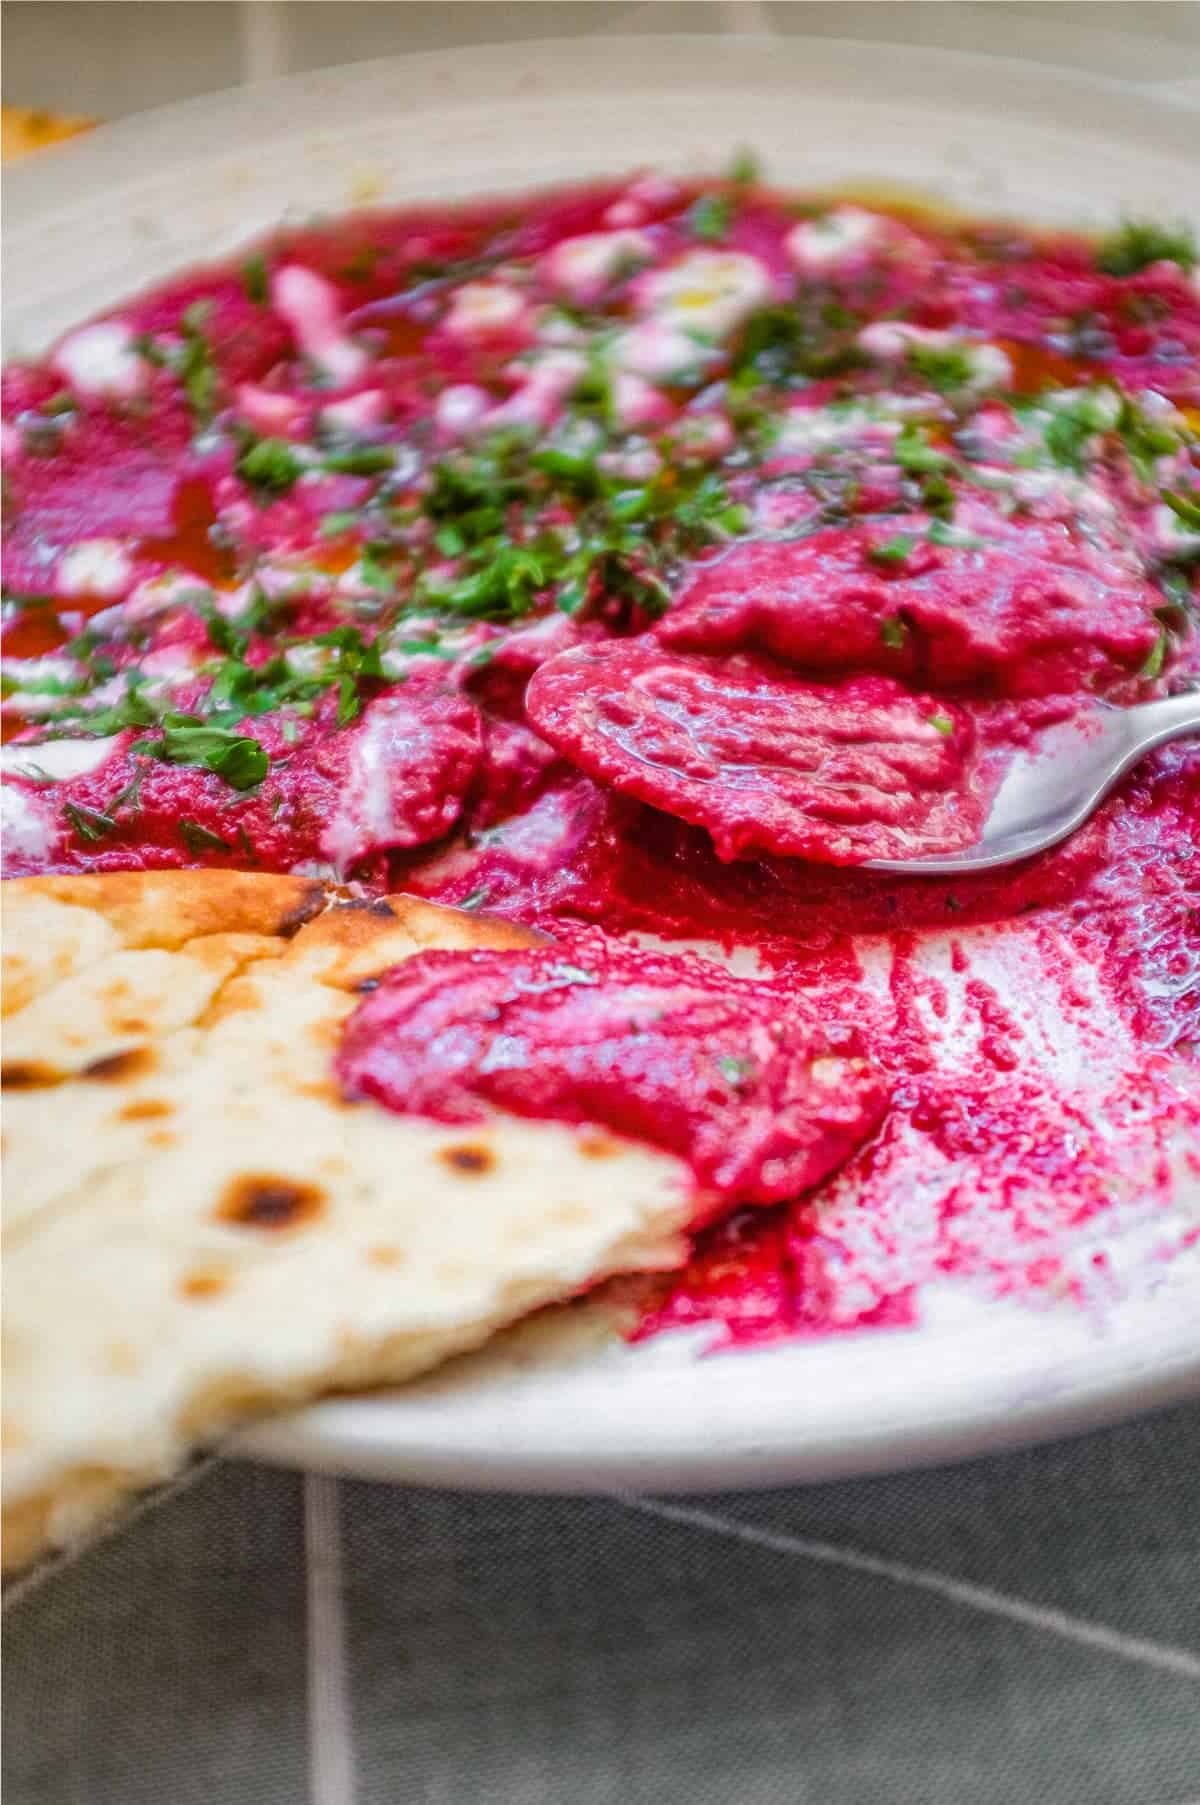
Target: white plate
554, 1406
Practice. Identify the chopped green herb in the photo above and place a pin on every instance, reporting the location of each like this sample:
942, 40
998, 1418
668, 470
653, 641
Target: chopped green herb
1139, 243
88, 823
574, 471
1158, 656
705, 514
373, 573
31, 772
193, 363
1176, 586
941, 533
781, 344
593, 393
837, 317
269, 465
744, 170
913, 452
24, 602
946, 368
570, 598
505, 585
361, 264
473, 492
353, 653
344, 520
239, 760
937, 497
893, 632
360, 460
1186, 507
11, 682
486, 505
711, 216
771, 345
240, 689
943, 723
200, 839
1144, 439
1073, 425
892, 551
133, 710
242, 764
232, 634
131, 796
42, 433
150, 350
255, 280
630, 504
349, 705
734, 1069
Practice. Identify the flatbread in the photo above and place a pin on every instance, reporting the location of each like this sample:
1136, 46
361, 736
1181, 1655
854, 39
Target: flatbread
198, 1228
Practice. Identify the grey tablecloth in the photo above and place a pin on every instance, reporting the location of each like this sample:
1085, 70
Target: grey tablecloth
1018, 1631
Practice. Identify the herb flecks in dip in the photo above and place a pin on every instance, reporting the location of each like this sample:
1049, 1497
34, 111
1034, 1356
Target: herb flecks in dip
650, 555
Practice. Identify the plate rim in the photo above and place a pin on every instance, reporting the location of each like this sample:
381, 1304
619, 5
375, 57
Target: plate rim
129, 133
412, 1435
743, 1437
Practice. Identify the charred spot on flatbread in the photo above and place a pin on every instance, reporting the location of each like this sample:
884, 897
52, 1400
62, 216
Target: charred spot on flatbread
117, 1068
597, 1146
145, 1109
311, 903
386, 1256
367, 905
205, 1283
24, 1075
260, 1200
167, 908
469, 1156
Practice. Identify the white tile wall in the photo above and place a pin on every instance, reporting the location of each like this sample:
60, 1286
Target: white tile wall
112, 57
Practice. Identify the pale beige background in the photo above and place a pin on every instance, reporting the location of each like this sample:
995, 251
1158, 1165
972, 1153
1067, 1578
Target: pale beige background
110, 57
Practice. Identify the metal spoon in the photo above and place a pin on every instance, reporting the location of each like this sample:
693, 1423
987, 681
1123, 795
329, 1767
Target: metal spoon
1049, 792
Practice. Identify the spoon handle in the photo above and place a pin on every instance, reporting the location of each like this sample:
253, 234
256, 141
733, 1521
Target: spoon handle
1170, 719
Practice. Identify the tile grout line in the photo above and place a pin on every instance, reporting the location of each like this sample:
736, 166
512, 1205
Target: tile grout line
330, 1725
1161, 1656
59, 1559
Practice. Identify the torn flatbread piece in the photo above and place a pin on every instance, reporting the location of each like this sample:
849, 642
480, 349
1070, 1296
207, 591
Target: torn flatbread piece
199, 1227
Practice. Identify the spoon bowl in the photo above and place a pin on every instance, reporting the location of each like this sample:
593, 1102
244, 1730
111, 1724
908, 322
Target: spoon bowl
1050, 791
